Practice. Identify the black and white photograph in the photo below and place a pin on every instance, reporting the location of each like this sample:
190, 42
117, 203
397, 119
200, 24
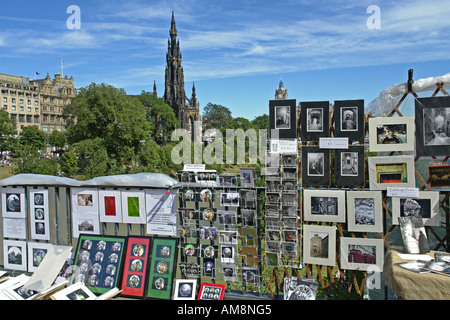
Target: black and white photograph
282, 119
315, 166
13, 203
349, 166
391, 134
289, 223
248, 198
324, 205
250, 276
229, 272
227, 217
228, 254
228, 237
426, 206
185, 289
432, 126
349, 119
361, 253
273, 197
300, 288
39, 215
364, 211
15, 255
414, 236
319, 245
248, 217
272, 166
247, 177
228, 180
315, 120
289, 160
289, 210
229, 199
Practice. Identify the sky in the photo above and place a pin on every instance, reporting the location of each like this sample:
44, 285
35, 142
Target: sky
235, 52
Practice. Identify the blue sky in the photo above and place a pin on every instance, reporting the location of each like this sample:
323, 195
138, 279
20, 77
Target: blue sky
236, 52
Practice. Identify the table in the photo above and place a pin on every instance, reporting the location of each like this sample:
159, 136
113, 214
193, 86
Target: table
409, 285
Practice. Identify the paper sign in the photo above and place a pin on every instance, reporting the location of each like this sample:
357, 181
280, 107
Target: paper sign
194, 167
333, 143
284, 146
403, 192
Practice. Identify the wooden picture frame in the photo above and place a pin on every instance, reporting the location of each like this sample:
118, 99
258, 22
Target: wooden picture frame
315, 120
283, 119
391, 134
349, 119
324, 205
316, 166
362, 254
391, 171
349, 167
319, 243
364, 211
432, 130
426, 205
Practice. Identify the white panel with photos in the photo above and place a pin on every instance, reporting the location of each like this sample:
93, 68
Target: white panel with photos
39, 215
426, 205
13, 203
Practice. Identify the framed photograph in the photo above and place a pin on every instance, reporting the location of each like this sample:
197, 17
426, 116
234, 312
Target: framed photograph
228, 180
439, 176
133, 206
432, 126
349, 119
228, 253
110, 206
15, 255
319, 243
84, 200
391, 134
162, 268
76, 291
13, 203
248, 217
361, 253
229, 272
39, 215
227, 217
211, 291
391, 171
229, 199
228, 237
248, 198
349, 166
185, 289
247, 177
316, 166
283, 118
160, 208
36, 253
364, 211
425, 206
413, 234
98, 261
18, 292
135, 266
85, 223
324, 205
315, 120
251, 276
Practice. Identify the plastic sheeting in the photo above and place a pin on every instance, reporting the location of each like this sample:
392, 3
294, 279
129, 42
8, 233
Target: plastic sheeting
389, 97
152, 180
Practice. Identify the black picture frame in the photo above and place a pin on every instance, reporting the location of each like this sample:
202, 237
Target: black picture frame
316, 166
432, 126
344, 167
283, 117
349, 119
315, 120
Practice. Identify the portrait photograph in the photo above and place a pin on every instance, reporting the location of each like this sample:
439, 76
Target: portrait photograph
349, 119
315, 166
432, 126
361, 253
391, 134
364, 211
283, 119
315, 120
349, 166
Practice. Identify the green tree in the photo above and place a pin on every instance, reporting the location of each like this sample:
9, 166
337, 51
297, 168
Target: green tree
216, 116
8, 131
33, 137
29, 160
262, 122
57, 139
69, 163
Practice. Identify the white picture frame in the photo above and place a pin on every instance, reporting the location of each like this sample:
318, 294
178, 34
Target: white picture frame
110, 206
13, 203
313, 237
333, 208
364, 211
78, 289
84, 200
185, 289
362, 254
137, 214
389, 171
431, 205
36, 254
39, 214
398, 134
15, 255
160, 208
86, 223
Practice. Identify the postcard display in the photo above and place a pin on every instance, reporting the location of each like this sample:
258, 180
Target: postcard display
219, 234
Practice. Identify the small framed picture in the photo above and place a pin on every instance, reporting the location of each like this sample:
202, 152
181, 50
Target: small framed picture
319, 243
364, 211
185, 289
361, 253
85, 200
76, 291
36, 253
315, 166
13, 203
228, 180
349, 166
283, 118
324, 205
251, 276
229, 199
15, 255
315, 120
133, 206
110, 206
391, 171
391, 134
211, 291
349, 119
247, 177
432, 126
39, 215
248, 198
425, 206
439, 176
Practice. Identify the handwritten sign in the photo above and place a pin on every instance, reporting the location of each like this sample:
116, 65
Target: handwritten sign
402, 192
333, 143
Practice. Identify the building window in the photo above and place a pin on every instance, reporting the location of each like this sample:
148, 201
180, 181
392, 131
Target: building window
44, 128
29, 102
13, 108
21, 101
5, 99
13, 100
35, 103
36, 109
21, 108
13, 116
21, 118
29, 109
29, 118
5, 107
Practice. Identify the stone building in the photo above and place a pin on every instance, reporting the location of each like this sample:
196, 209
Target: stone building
36, 102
